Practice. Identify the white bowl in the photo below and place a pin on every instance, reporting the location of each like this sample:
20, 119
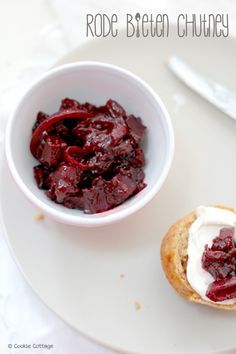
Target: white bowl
96, 83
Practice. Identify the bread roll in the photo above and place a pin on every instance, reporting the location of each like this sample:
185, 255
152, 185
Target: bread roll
174, 260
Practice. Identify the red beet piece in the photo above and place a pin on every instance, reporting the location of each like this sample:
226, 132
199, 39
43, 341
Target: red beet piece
90, 108
100, 162
123, 148
222, 289
219, 259
101, 131
41, 116
74, 201
69, 104
104, 195
123, 185
50, 151
210, 256
138, 159
95, 132
41, 174
98, 140
137, 129
115, 109
224, 241
63, 183
219, 270
118, 133
95, 200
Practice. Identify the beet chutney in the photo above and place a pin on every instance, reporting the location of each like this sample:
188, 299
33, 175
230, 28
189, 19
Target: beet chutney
89, 157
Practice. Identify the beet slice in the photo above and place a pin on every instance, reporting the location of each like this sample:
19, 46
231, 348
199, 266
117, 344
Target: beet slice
54, 118
221, 290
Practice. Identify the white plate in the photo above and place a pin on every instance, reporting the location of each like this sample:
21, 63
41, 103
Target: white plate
77, 272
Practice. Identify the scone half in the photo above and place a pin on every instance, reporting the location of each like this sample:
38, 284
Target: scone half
174, 258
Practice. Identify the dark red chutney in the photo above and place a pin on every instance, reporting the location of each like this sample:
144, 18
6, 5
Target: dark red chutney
220, 261
89, 157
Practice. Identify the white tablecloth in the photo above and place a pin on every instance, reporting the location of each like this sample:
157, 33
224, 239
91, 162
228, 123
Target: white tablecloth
33, 35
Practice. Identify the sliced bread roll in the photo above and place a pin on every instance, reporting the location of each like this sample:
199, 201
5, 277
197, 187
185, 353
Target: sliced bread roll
174, 260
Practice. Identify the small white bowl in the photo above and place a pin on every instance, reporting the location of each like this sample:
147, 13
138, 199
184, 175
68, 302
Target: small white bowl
96, 83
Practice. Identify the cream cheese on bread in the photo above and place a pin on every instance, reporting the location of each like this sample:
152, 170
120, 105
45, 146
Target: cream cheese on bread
203, 230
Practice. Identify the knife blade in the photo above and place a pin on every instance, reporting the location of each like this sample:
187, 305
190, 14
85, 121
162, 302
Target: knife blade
212, 91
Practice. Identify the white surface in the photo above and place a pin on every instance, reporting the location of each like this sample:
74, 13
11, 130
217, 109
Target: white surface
82, 81
33, 34
85, 264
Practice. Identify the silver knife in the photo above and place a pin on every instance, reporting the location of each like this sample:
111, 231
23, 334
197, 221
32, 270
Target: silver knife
212, 91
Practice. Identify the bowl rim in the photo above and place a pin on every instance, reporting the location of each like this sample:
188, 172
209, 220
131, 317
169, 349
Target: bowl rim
99, 219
